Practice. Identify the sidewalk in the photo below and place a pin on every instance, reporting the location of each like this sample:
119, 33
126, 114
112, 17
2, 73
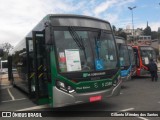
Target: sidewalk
4, 79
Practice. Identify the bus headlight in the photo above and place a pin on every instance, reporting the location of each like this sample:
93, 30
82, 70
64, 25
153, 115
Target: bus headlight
63, 86
70, 89
60, 84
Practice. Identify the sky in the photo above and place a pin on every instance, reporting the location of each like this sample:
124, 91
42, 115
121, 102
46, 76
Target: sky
18, 17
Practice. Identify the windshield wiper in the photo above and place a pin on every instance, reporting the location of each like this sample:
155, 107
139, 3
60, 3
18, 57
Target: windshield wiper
78, 40
97, 48
97, 43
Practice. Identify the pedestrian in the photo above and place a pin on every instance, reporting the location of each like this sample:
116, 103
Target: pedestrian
153, 70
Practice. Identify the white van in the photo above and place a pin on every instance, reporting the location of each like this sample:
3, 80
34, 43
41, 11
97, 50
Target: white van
4, 66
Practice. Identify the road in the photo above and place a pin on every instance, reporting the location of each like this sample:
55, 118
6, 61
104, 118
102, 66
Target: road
139, 94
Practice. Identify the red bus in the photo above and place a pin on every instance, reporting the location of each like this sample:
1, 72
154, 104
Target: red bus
143, 55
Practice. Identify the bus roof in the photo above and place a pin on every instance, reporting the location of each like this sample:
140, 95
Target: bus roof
76, 16
66, 20
120, 39
141, 46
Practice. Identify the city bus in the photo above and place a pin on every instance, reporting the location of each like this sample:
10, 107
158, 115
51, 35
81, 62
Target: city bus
132, 60
143, 54
124, 58
67, 60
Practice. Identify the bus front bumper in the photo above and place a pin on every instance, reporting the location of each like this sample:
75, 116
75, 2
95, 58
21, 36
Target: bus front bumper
144, 72
61, 98
125, 78
134, 73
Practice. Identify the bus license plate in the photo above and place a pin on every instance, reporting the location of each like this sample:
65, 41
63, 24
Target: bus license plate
95, 98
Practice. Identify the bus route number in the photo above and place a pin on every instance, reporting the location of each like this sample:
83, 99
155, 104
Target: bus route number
105, 84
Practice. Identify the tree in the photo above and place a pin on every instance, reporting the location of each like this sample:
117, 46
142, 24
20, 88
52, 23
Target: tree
7, 47
154, 35
121, 33
158, 34
114, 29
1, 52
120, 30
147, 30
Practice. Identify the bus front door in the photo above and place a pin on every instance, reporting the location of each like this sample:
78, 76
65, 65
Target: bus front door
30, 68
37, 68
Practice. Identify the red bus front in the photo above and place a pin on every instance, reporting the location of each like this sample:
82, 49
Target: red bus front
143, 55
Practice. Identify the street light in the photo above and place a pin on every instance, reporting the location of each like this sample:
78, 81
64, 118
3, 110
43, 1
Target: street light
131, 8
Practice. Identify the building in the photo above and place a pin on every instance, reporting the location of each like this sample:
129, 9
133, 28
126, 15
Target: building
133, 35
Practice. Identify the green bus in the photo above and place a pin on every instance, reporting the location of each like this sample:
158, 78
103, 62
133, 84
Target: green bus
67, 60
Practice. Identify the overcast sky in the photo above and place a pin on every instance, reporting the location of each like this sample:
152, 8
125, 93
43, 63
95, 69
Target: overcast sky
18, 17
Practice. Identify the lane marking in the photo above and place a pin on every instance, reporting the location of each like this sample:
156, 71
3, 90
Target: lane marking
14, 100
124, 110
127, 109
121, 93
5, 87
4, 84
143, 118
10, 94
35, 108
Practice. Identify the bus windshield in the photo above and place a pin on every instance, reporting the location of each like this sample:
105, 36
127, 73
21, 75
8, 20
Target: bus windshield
123, 55
147, 53
131, 55
83, 50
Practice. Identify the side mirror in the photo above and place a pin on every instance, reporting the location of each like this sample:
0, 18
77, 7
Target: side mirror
1, 52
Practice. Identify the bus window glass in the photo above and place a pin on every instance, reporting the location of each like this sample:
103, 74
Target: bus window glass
132, 56
76, 54
78, 58
104, 51
147, 53
124, 57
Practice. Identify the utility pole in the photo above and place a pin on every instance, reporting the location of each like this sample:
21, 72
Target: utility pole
131, 8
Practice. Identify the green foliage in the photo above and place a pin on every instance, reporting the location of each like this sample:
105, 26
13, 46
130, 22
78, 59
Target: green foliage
1, 52
7, 47
123, 34
147, 31
114, 29
5, 55
154, 35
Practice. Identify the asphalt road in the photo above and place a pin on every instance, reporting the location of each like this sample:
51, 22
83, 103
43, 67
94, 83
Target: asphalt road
139, 94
